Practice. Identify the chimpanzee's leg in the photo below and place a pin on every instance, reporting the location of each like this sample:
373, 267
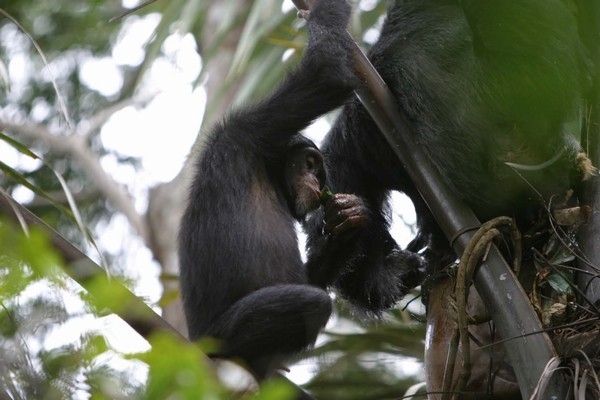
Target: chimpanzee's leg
271, 323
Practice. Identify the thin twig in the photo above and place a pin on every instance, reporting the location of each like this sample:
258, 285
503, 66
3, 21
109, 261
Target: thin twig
59, 96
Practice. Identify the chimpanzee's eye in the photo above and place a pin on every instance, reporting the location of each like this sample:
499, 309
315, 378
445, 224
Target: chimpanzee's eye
310, 162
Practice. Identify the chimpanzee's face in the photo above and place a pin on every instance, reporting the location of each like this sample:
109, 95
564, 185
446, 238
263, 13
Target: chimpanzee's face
305, 176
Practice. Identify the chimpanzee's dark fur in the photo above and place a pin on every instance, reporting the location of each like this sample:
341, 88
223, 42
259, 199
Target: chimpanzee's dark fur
242, 277
484, 83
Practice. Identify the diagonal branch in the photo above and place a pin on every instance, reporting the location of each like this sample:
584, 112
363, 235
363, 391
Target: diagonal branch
76, 148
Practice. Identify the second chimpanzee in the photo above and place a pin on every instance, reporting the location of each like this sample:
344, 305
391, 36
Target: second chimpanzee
493, 89
242, 277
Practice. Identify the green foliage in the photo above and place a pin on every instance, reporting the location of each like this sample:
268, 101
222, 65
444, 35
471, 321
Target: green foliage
23, 259
274, 390
33, 311
179, 370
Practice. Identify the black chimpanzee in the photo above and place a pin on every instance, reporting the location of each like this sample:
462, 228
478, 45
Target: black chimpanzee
492, 88
242, 278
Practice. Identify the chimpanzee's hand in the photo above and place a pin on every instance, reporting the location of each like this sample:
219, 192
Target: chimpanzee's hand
327, 12
330, 48
345, 215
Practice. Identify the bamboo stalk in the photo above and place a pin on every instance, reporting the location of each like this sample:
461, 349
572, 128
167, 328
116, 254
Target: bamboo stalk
589, 234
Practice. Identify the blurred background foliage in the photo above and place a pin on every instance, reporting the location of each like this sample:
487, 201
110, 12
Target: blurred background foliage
54, 342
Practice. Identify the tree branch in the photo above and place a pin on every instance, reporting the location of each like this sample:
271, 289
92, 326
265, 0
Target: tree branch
76, 147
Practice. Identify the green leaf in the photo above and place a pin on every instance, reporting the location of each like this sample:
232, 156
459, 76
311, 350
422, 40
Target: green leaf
276, 389
179, 369
559, 283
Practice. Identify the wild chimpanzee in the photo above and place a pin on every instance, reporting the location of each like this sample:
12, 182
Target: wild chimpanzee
242, 278
493, 89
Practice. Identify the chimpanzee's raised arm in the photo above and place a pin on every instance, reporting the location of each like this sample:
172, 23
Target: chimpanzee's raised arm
321, 82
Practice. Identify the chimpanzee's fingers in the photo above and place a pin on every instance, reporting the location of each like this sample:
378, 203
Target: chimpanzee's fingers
344, 213
341, 201
336, 217
350, 224
305, 14
347, 219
